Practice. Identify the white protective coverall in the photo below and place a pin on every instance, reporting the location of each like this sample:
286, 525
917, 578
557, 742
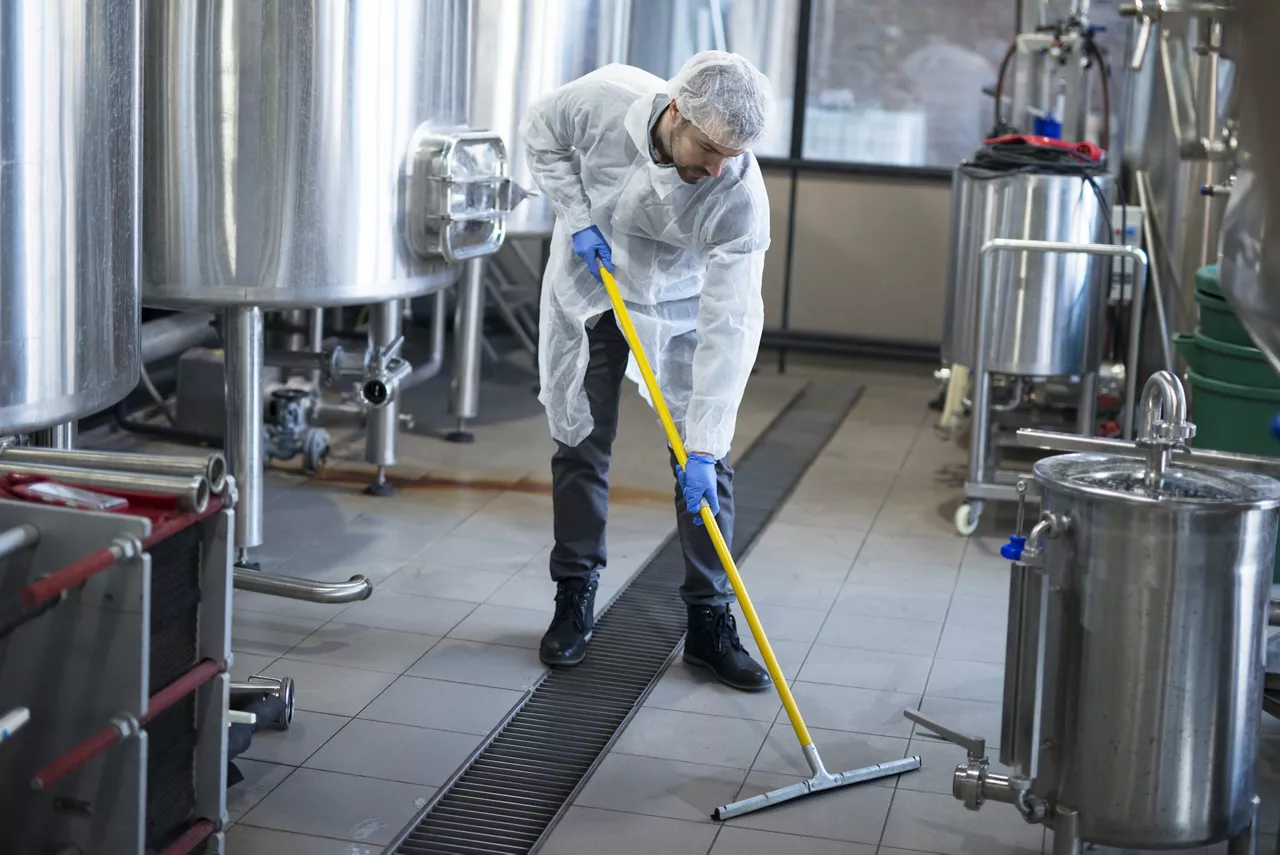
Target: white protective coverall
689, 258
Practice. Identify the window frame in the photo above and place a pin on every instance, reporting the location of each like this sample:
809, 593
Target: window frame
796, 163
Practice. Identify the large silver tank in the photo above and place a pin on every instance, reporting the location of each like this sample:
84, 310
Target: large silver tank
1156, 624
523, 49
275, 146
69, 90
1047, 307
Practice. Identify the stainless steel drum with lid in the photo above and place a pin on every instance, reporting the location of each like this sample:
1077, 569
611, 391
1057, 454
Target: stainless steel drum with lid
1047, 308
69, 84
1136, 637
1154, 674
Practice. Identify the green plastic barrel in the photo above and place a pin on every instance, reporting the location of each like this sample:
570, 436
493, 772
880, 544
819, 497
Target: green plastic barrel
1230, 363
1207, 280
1218, 321
1231, 417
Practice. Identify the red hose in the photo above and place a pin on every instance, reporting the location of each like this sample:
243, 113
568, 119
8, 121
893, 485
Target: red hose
72, 760
190, 839
78, 572
76, 757
180, 688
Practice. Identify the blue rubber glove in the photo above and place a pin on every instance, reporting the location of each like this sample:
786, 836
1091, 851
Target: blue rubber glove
589, 245
698, 482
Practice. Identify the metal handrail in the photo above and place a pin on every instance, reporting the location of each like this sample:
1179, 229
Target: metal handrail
354, 589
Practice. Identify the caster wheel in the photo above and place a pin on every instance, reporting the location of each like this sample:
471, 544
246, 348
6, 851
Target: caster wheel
286, 695
967, 517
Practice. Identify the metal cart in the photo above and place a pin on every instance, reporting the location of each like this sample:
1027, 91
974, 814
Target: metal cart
987, 482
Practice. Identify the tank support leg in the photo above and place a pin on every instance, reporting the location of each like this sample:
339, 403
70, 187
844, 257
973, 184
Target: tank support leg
242, 343
1066, 833
61, 437
468, 344
1246, 842
383, 425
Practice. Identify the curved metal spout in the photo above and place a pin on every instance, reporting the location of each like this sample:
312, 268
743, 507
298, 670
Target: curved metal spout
1163, 400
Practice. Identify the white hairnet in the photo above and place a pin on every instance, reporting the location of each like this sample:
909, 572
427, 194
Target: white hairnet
725, 96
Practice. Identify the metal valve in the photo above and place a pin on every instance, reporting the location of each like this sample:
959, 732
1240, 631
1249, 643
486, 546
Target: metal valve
974, 783
968, 782
383, 374
382, 386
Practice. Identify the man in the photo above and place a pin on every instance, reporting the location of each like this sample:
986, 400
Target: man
652, 179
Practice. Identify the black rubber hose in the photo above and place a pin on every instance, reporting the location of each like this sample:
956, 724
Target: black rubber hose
24, 616
999, 96
162, 431
1106, 94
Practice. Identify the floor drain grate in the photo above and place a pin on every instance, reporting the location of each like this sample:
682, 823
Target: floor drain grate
506, 800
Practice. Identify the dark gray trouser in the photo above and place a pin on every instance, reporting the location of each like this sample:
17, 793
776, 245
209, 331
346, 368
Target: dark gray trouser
580, 486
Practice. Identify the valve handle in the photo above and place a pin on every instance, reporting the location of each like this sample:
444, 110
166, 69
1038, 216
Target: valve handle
1013, 549
1275, 426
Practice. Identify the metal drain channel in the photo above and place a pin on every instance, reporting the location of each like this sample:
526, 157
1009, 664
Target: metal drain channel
508, 797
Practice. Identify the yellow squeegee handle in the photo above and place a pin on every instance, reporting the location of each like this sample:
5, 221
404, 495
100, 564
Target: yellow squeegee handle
623, 317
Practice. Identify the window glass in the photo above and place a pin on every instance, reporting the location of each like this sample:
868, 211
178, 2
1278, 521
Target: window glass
665, 33
900, 82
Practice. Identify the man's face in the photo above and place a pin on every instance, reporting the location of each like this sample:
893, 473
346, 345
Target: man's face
695, 156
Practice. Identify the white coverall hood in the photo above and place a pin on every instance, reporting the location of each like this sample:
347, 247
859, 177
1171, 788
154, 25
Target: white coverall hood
689, 257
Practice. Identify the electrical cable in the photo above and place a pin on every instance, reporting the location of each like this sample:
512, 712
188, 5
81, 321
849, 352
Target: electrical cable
161, 403
998, 126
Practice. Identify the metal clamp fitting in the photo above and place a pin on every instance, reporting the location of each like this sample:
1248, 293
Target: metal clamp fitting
382, 386
126, 546
127, 724
1050, 525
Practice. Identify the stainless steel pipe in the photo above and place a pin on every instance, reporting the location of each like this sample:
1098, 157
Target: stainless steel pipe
192, 492
59, 437
213, 467
1051, 441
315, 341
174, 334
18, 538
468, 332
425, 371
243, 333
354, 589
297, 361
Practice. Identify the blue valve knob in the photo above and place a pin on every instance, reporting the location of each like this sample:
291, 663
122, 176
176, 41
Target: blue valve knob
1013, 549
1275, 426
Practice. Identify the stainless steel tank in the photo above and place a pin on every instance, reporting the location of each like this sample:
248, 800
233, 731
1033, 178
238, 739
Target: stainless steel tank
1156, 680
1047, 307
275, 147
69, 102
1136, 641
1151, 595
523, 49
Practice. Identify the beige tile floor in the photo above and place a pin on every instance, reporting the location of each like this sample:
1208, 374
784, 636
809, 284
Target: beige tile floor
871, 600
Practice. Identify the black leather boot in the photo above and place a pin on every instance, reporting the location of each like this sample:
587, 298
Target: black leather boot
565, 642
713, 644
